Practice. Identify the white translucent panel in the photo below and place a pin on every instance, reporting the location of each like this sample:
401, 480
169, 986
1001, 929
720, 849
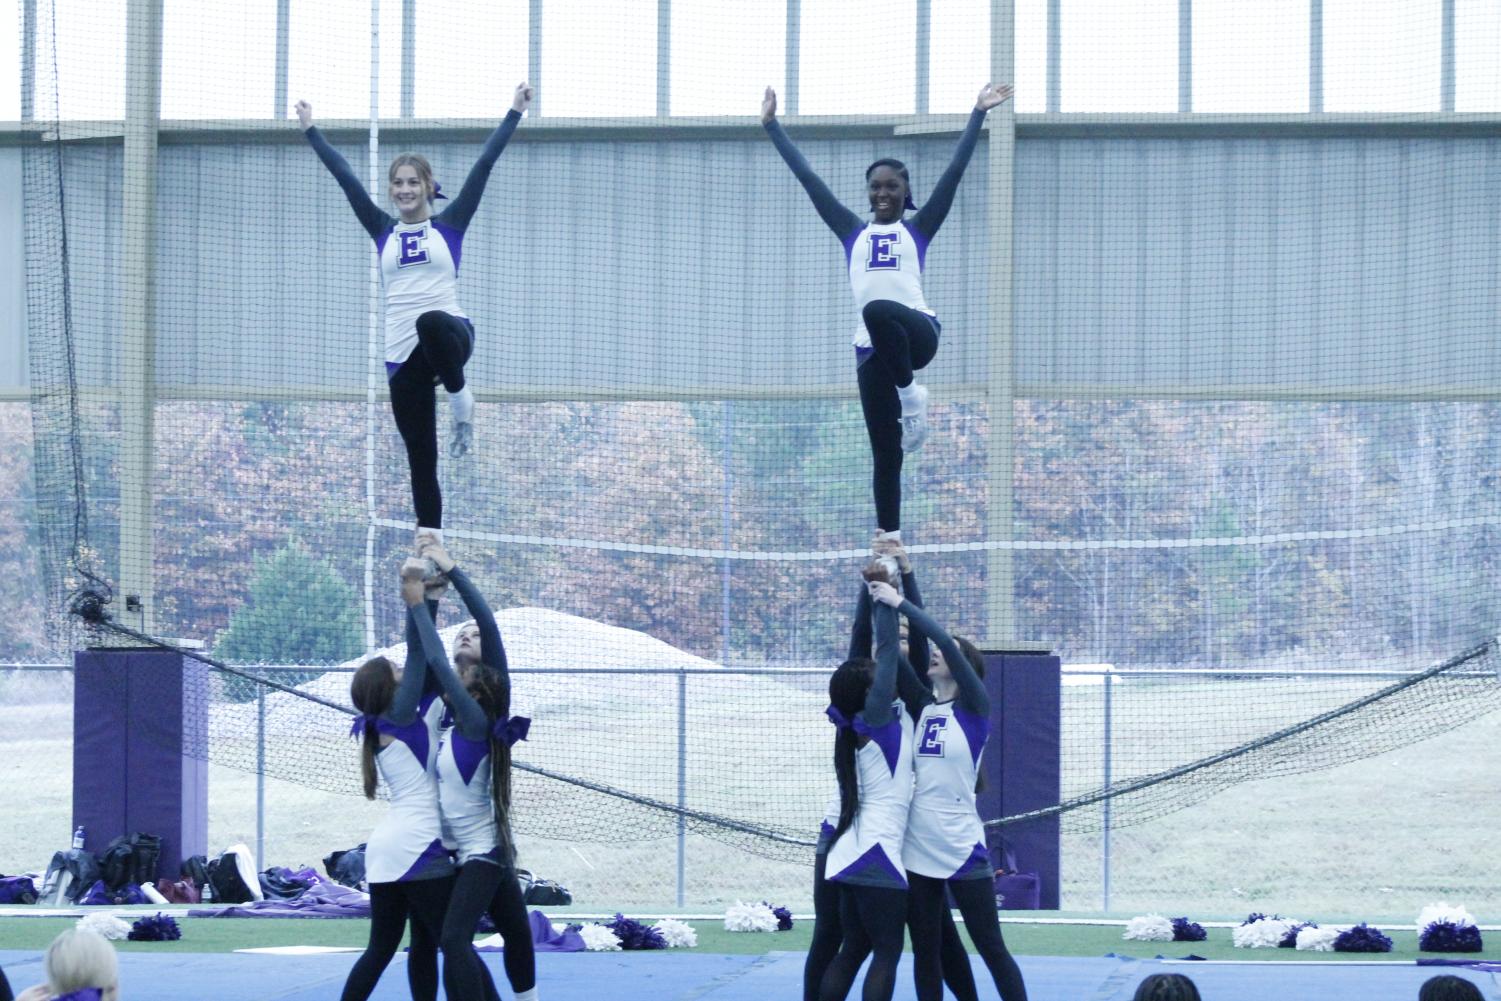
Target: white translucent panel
10, 55
470, 57
1120, 55
724, 55
599, 57
858, 58
1250, 57
87, 80
959, 57
1382, 55
1031, 56
329, 57
1477, 55
218, 60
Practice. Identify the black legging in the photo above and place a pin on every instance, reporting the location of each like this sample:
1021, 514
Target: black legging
828, 933
391, 904
976, 901
5, 992
444, 344
483, 886
872, 919
904, 340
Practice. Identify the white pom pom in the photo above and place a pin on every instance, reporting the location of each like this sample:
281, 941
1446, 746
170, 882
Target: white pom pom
107, 925
1149, 928
1267, 933
1441, 911
677, 934
598, 938
1317, 939
749, 917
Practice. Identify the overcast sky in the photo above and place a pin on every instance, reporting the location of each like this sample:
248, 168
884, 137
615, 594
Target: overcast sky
599, 56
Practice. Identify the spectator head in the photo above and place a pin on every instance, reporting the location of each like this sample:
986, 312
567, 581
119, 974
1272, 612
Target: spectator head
1449, 988
1167, 987
79, 959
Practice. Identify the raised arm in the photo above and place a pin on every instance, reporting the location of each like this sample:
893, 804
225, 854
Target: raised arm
414, 676
840, 219
877, 711
972, 694
928, 218
917, 640
468, 716
370, 215
462, 208
860, 631
489, 633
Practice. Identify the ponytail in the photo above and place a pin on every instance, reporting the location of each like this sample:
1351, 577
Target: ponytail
371, 690
847, 689
368, 746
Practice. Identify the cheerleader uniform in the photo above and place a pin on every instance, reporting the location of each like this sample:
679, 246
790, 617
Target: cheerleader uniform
943, 848
429, 337
898, 332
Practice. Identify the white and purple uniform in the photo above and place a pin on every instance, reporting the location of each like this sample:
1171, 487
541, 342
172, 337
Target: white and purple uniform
945, 839
885, 260
419, 262
407, 844
464, 795
869, 852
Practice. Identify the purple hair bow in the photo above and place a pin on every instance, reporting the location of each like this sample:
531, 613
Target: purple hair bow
358, 726
82, 994
511, 730
438, 192
844, 722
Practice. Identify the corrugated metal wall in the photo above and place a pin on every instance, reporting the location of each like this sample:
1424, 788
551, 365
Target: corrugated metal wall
1327, 265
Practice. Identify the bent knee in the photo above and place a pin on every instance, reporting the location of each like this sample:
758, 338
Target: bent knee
879, 309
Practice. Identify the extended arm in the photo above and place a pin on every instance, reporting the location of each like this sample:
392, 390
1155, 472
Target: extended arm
463, 207
840, 219
489, 633
917, 640
877, 711
972, 695
928, 218
860, 634
371, 217
413, 678
467, 714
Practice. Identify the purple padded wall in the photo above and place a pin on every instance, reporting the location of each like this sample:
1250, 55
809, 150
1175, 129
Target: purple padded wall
140, 749
1021, 763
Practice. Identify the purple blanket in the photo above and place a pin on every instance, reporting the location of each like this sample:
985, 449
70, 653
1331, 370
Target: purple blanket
322, 900
544, 939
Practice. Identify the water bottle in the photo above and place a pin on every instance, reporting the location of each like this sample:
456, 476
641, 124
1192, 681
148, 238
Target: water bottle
78, 838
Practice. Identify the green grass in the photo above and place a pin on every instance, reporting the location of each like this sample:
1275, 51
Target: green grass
228, 934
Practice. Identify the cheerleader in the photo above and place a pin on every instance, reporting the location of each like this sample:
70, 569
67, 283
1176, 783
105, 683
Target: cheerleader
898, 333
409, 871
474, 792
429, 337
873, 765
943, 848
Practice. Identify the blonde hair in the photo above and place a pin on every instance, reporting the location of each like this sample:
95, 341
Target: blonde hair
80, 958
419, 163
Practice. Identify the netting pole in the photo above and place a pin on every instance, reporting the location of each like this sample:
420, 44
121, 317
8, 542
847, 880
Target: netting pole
924, 52
1185, 56
1000, 625
137, 376
726, 419
1446, 63
1055, 57
372, 170
283, 58
794, 38
682, 786
664, 58
408, 58
534, 55
1105, 838
1315, 56
28, 60
260, 778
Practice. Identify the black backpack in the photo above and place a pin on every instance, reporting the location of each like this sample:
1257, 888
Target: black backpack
116, 863
346, 867
229, 886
